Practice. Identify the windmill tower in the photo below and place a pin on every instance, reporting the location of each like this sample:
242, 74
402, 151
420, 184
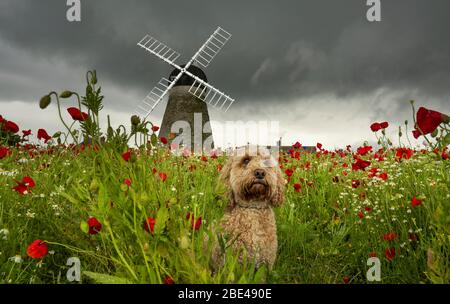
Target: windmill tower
188, 89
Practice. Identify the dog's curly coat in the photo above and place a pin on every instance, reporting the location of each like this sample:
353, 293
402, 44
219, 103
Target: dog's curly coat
255, 184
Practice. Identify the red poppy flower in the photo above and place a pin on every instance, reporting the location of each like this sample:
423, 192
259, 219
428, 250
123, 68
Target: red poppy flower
364, 150
4, 152
204, 158
444, 155
21, 188
127, 182
195, 224
375, 127
10, 126
355, 183
163, 176
319, 146
297, 145
405, 153
416, 202
384, 125
390, 236
345, 165
149, 225
360, 215
26, 133
289, 172
24, 186
94, 225
368, 209
390, 253
346, 280
37, 250
372, 254
360, 164
126, 156
412, 237
297, 187
163, 140
155, 128
1, 119
42, 134
168, 280
383, 176
77, 114
29, 182
427, 121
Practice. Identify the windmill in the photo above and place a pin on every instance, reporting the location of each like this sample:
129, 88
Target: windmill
187, 86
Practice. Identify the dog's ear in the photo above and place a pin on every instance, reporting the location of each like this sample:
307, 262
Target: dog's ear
277, 197
225, 179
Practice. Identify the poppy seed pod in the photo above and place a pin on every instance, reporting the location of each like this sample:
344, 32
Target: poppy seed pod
445, 118
66, 94
45, 101
135, 120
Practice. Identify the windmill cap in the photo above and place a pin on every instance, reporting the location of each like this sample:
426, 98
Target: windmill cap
186, 80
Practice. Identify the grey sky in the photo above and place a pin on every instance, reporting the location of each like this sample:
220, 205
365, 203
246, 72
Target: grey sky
285, 61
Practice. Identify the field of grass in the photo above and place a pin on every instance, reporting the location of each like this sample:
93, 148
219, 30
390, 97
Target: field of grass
336, 215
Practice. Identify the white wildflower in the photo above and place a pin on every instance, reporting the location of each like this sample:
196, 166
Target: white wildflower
16, 259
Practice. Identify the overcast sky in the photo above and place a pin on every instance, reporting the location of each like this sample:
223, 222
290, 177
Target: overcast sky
318, 67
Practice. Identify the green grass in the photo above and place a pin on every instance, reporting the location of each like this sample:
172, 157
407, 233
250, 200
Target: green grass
321, 237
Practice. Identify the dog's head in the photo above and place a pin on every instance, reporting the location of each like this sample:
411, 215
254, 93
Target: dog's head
253, 180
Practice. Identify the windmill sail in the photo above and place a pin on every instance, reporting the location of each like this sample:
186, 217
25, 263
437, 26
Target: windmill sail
210, 95
159, 49
211, 47
156, 95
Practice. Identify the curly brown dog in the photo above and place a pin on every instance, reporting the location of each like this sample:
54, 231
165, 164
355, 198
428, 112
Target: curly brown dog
255, 185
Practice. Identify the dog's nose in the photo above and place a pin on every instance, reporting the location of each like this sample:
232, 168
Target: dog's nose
259, 174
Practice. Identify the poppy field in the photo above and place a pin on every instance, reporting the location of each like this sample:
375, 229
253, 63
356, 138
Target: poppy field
145, 215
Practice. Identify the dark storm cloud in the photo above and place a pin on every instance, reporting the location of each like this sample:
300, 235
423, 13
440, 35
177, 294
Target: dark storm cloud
279, 49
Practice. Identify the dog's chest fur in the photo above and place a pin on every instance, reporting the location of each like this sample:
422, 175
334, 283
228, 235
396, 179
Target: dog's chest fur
255, 230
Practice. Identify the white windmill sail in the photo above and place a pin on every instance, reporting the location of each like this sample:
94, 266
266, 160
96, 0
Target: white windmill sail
199, 88
159, 49
211, 47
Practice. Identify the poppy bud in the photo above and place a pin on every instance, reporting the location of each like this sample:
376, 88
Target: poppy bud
110, 132
57, 134
66, 94
400, 132
445, 118
406, 122
94, 77
133, 158
135, 120
94, 186
383, 132
411, 102
88, 89
435, 133
45, 101
447, 139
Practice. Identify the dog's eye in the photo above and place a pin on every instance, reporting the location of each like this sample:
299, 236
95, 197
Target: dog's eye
245, 161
